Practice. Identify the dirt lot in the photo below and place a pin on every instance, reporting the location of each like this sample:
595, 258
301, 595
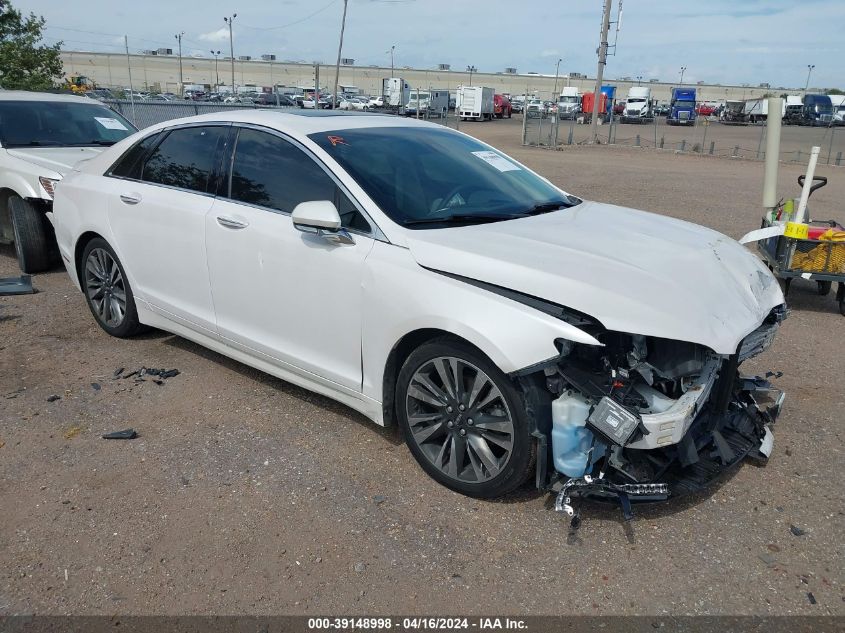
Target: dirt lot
244, 494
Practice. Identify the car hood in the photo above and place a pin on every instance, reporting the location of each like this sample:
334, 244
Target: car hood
634, 271
58, 159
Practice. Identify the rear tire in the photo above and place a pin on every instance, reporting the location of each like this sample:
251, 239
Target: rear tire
32, 239
440, 386
824, 287
107, 290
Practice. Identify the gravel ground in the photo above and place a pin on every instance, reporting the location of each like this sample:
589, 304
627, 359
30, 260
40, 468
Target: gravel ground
244, 494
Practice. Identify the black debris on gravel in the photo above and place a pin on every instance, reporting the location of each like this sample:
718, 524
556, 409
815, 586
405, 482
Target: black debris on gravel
53, 398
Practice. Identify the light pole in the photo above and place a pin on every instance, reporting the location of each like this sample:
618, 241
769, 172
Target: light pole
392, 48
470, 70
639, 80
229, 21
557, 72
809, 70
178, 37
339, 48
681, 82
216, 72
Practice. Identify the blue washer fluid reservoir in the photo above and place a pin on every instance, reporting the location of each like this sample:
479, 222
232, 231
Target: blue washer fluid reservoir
571, 439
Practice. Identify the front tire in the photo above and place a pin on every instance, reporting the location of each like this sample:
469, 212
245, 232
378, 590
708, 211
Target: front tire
32, 244
107, 290
464, 420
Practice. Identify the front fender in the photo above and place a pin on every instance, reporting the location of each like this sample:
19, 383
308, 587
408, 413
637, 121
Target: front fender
22, 186
400, 297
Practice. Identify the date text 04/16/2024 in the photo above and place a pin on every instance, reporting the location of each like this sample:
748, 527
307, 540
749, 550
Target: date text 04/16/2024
416, 623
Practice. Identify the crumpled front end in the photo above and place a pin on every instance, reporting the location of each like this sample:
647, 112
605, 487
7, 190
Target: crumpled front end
645, 419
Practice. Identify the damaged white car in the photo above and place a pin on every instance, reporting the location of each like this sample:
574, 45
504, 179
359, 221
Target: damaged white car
422, 277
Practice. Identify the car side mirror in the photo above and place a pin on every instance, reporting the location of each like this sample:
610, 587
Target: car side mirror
320, 217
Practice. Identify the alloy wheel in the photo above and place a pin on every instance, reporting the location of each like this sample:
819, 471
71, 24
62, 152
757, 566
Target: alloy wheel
105, 287
459, 419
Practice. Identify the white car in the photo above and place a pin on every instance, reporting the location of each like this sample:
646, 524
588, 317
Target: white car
423, 278
377, 102
353, 103
41, 137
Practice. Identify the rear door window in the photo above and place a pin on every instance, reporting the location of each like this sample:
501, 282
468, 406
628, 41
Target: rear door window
185, 158
130, 164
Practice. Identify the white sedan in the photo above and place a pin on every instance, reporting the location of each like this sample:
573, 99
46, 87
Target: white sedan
353, 103
424, 278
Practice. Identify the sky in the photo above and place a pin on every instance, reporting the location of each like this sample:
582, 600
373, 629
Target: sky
718, 41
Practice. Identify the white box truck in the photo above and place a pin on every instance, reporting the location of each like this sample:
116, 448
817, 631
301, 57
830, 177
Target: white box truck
569, 103
395, 91
475, 102
428, 103
639, 107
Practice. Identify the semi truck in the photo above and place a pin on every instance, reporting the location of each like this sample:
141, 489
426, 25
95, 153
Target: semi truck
475, 102
569, 103
682, 107
639, 107
587, 101
811, 109
817, 110
427, 103
396, 91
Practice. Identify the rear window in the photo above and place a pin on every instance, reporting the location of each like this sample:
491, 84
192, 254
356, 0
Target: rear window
185, 158
129, 165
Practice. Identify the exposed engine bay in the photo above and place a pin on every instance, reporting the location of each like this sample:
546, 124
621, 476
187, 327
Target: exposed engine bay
640, 419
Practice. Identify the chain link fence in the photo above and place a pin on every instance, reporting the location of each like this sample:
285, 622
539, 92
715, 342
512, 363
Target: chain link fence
706, 136
143, 114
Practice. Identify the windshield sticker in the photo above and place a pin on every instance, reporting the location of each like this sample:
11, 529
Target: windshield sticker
336, 140
110, 124
499, 162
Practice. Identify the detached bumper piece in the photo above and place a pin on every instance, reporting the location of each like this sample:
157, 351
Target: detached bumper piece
16, 286
734, 424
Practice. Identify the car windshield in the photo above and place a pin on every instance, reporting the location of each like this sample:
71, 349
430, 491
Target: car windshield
60, 124
428, 178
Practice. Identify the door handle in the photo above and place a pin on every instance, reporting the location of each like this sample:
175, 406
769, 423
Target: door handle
229, 223
130, 198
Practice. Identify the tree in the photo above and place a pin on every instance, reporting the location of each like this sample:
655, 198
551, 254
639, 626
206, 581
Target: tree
835, 91
25, 62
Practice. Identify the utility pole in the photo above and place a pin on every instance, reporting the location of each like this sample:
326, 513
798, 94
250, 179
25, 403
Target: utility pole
681, 82
216, 72
178, 37
392, 48
470, 70
602, 52
129, 69
809, 70
229, 21
557, 72
339, 48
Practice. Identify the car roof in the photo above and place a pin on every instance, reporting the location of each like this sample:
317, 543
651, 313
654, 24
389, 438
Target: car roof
25, 95
302, 122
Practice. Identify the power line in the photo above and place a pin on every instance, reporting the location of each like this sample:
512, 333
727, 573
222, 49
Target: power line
300, 21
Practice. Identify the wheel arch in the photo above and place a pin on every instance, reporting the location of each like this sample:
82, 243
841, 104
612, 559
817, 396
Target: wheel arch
6, 233
79, 248
400, 352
